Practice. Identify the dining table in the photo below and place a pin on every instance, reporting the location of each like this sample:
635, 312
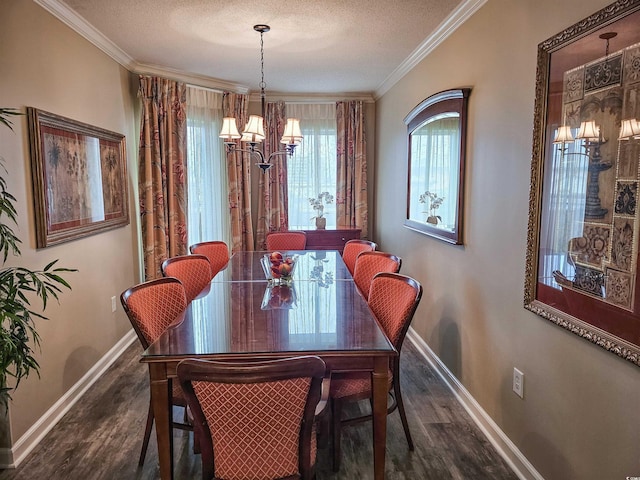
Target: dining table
242, 315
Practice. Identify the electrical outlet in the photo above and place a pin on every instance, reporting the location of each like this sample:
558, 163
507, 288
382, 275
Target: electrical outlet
518, 382
113, 304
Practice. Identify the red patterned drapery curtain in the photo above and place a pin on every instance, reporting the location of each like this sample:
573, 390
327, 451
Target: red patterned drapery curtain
272, 187
351, 195
162, 180
239, 171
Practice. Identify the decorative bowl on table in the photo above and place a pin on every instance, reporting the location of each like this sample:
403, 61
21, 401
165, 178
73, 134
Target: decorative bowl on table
278, 269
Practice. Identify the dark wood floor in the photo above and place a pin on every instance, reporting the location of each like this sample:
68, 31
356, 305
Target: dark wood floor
100, 438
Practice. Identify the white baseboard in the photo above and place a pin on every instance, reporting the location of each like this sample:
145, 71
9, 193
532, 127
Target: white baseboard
11, 457
505, 447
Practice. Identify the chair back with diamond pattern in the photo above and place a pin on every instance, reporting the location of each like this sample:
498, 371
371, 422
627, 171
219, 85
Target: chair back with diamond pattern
254, 420
352, 249
368, 264
194, 271
394, 298
217, 253
152, 306
286, 241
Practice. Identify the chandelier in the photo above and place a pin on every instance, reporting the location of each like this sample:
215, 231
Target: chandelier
253, 132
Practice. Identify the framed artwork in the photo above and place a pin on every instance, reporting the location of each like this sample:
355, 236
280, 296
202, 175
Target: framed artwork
79, 178
584, 221
436, 130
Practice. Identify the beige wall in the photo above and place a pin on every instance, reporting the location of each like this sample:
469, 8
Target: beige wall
578, 419
44, 64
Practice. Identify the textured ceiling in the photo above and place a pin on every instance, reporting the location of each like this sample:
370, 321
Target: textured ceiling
314, 46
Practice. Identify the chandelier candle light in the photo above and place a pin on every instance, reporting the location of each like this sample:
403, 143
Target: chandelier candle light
253, 132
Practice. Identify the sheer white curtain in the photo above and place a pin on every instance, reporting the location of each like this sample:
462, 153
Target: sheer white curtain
312, 169
435, 153
563, 207
208, 205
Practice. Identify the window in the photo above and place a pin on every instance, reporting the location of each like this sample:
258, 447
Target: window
312, 169
208, 204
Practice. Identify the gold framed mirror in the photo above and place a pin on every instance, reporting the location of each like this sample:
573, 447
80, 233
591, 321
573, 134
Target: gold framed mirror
582, 243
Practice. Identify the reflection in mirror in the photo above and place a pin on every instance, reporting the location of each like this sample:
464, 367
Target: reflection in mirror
435, 153
436, 131
582, 269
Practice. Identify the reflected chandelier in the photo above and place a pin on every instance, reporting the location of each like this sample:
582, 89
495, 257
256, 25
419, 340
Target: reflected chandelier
253, 132
589, 131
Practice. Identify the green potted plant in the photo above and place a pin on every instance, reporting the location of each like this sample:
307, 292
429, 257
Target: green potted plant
19, 287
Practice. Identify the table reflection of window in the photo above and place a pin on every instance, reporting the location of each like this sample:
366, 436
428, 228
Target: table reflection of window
309, 263
215, 305
316, 309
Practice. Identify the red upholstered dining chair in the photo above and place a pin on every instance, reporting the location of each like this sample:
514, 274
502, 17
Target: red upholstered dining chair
393, 298
352, 249
194, 271
290, 240
151, 307
255, 420
217, 252
368, 264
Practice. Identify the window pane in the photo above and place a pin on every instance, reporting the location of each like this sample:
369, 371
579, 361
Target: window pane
312, 169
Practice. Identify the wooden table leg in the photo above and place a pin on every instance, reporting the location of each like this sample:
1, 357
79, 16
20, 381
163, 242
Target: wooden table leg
380, 382
162, 412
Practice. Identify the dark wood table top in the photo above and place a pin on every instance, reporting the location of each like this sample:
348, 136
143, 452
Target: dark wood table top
322, 312
239, 318
321, 266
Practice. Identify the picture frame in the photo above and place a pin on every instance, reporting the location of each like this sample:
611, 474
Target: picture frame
79, 178
436, 132
582, 269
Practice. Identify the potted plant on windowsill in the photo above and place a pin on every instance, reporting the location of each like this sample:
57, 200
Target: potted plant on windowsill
434, 203
318, 205
19, 286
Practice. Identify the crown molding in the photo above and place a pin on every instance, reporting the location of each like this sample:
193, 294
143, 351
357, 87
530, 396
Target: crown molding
449, 25
78, 24
312, 97
190, 78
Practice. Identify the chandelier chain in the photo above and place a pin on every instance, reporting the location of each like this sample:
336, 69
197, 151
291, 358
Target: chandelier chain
262, 84
607, 36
